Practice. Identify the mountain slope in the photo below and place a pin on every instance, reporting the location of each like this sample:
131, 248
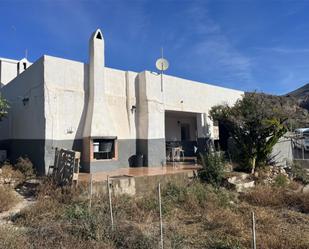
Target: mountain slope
301, 93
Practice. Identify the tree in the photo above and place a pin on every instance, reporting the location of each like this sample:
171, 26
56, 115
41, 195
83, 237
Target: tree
255, 126
4, 106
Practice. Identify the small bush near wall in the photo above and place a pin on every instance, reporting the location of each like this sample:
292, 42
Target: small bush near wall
213, 167
9, 176
25, 166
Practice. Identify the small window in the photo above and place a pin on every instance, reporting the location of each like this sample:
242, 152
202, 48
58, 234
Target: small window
25, 65
103, 149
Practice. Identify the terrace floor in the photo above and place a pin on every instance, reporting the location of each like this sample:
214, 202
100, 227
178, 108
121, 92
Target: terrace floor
139, 171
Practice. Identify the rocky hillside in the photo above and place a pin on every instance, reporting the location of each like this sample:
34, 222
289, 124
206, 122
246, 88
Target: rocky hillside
301, 93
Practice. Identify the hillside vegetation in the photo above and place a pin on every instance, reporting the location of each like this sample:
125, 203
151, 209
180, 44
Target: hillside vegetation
294, 107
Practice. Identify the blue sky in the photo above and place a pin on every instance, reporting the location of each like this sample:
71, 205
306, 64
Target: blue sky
247, 45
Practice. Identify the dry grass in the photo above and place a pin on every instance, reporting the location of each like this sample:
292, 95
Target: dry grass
195, 216
9, 173
267, 196
11, 238
7, 198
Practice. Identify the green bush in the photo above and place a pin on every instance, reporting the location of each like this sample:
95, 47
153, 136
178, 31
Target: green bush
25, 166
299, 173
281, 181
213, 168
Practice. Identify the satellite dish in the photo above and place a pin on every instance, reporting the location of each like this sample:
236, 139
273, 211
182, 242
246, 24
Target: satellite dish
162, 64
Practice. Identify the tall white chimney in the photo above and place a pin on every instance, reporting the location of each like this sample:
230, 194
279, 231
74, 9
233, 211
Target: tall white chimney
98, 122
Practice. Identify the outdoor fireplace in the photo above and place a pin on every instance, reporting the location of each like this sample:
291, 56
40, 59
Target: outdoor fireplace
104, 148
100, 148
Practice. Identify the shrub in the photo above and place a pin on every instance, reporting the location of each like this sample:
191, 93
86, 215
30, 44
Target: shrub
132, 237
281, 181
25, 166
177, 241
225, 244
299, 173
7, 198
10, 175
213, 168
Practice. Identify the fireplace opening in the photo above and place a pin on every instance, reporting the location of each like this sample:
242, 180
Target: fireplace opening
104, 149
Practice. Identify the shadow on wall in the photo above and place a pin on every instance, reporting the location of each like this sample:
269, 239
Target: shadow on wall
78, 141
141, 144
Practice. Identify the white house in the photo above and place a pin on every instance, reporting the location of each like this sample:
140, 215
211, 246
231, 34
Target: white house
57, 102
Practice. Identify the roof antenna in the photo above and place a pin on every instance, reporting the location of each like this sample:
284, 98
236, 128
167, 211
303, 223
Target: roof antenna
26, 53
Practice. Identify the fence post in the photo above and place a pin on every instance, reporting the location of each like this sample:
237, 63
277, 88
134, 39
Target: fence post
90, 191
110, 202
161, 223
253, 232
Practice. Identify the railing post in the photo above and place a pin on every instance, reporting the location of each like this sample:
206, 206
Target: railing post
161, 223
90, 192
110, 202
253, 232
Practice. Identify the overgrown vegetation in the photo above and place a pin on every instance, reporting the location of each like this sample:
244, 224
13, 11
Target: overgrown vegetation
8, 172
299, 173
25, 166
254, 126
195, 215
12, 176
266, 196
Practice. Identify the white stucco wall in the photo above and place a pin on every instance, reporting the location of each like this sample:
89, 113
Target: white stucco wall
150, 109
183, 96
191, 96
66, 89
66, 85
8, 70
65, 95
25, 121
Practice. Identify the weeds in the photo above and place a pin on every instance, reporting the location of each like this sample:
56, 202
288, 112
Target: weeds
281, 181
7, 198
25, 166
10, 175
267, 196
299, 173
